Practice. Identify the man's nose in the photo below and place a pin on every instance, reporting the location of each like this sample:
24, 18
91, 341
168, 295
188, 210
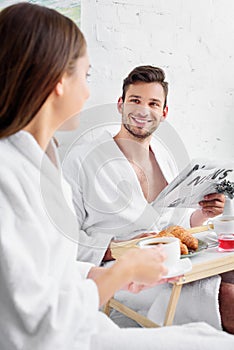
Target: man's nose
143, 111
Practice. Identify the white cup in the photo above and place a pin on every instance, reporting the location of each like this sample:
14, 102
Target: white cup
171, 247
223, 224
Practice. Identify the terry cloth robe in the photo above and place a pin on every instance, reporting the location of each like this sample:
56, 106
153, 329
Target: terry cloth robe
45, 301
108, 198
109, 203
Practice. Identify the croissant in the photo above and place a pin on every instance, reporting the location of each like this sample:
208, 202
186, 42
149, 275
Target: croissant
183, 247
185, 236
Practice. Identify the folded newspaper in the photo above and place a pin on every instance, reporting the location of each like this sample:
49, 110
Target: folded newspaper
199, 178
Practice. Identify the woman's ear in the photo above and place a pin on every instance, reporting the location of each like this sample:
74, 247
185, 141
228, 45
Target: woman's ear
59, 88
120, 105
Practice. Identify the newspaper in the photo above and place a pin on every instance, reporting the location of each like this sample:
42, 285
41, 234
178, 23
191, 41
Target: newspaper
199, 178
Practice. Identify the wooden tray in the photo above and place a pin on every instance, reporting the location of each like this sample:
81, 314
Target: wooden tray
119, 248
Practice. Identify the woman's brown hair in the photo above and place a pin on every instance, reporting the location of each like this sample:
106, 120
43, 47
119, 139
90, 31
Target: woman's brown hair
38, 45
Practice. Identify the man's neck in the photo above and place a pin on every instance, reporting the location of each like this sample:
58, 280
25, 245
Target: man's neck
134, 149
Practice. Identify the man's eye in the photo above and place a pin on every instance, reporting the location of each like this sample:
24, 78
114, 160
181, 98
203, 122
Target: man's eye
155, 105
135, 100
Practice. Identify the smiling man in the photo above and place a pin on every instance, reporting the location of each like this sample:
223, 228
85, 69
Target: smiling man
142, 122
115, 181
143, 106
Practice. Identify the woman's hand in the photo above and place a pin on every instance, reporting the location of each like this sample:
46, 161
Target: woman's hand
145, 266
137, 268
136, 287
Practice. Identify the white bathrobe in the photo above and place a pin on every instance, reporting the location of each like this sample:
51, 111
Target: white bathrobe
45, 301
109, 203
108, 198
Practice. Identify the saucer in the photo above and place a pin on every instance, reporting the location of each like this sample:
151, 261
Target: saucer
183, 266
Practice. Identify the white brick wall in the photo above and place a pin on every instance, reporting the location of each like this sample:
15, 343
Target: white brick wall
192, 40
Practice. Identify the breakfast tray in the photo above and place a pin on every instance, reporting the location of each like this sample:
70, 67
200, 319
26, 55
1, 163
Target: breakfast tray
119, 248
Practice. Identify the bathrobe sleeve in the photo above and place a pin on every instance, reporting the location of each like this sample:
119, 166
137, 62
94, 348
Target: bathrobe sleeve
45, 302
91, 247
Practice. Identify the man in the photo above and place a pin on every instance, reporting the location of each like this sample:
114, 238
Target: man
115, 181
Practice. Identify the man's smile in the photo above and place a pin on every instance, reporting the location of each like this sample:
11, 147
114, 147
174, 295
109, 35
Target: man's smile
139, 120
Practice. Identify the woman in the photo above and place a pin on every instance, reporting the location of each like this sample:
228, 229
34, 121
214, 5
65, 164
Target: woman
47, 299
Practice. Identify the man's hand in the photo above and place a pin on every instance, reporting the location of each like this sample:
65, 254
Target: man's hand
146, 234
141, 235
213, 204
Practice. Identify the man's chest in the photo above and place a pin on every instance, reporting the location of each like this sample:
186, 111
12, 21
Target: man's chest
151, 179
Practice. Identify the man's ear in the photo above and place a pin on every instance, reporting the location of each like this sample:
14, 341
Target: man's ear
120, 105
165, 112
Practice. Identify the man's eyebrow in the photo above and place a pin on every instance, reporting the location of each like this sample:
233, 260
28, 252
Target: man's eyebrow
155, 100
151, 99
136, 96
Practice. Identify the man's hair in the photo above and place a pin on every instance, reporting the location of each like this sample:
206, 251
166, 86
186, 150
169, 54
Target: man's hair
146, 74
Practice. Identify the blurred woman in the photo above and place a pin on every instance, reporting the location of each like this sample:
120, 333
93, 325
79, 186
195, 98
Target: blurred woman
48, 300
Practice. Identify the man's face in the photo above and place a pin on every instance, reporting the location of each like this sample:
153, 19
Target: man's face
142, 111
